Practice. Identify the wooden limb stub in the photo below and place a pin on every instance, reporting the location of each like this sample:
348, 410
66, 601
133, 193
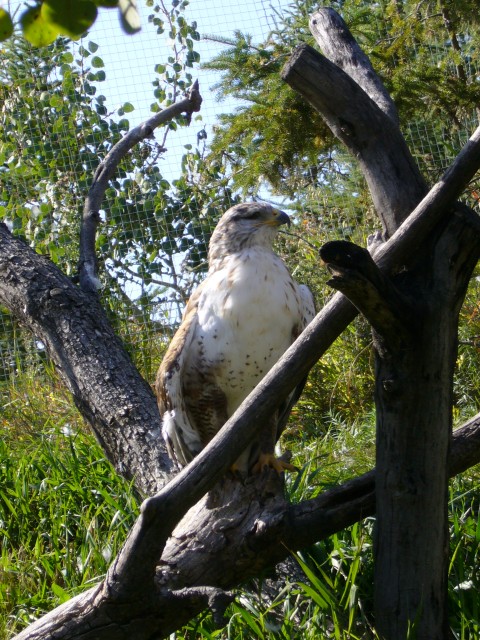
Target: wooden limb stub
356, 275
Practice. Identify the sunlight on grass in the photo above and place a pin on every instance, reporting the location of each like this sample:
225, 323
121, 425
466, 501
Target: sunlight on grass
64, 514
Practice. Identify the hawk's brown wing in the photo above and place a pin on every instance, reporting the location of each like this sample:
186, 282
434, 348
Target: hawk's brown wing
192, 405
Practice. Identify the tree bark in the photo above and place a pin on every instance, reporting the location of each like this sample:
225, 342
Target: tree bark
368, 133
339, 46
415, 340
414, 315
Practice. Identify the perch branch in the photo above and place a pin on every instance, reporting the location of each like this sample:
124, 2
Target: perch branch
307, 522
370, 135
338, 45
105, 171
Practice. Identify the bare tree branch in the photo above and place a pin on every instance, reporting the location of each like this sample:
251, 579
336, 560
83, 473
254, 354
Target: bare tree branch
370, 135
106, 170
339, 46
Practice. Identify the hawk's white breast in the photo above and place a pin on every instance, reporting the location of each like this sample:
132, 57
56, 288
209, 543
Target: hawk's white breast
249, 312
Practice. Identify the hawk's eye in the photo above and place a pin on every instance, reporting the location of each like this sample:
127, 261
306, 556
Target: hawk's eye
250, 216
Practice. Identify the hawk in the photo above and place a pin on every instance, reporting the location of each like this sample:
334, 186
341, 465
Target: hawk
235, 327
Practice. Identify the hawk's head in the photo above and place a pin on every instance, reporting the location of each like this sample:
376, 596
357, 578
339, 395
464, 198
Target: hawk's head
245, 225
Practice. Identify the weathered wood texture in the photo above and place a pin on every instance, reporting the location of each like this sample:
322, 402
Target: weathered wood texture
106, 387
340, 47
368, 133
415, 317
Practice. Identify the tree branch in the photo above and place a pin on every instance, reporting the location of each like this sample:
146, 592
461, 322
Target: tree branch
106, 386
344, 505
338, 45
370, 135
106, 170
374, 294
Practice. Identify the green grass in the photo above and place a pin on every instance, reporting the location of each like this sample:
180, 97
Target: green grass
64, 513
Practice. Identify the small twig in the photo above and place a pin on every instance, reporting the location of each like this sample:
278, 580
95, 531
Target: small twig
298, 237
161, 283
88, 269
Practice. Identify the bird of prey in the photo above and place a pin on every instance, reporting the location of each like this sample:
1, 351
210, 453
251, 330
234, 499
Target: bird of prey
236, 325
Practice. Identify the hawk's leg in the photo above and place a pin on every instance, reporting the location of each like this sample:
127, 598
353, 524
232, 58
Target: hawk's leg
267, 456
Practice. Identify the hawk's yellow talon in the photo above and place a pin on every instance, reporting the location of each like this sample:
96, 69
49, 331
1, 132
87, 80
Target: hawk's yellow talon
269, 460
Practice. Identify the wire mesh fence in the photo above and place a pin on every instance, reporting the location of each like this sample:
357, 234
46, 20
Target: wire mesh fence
64, 108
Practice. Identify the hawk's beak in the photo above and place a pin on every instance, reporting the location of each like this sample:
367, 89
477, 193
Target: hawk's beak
280, 217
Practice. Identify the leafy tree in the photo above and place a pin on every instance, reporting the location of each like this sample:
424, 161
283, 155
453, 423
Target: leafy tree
426, 53
56, 128
43, 22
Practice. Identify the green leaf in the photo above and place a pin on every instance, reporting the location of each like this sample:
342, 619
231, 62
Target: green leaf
128, 107
6, 25
70, 17
56, 102
36, 29
129, 16
92, 46
97, 62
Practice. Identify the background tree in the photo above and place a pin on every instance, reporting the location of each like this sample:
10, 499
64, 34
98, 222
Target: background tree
154, 235
44, 21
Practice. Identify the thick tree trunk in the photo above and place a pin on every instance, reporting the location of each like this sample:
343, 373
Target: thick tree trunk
414, 407
415, 338
415, 332
415, 328
107, 389
414, 397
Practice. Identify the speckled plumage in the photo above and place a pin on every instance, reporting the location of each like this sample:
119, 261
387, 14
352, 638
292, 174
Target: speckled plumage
236, 326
